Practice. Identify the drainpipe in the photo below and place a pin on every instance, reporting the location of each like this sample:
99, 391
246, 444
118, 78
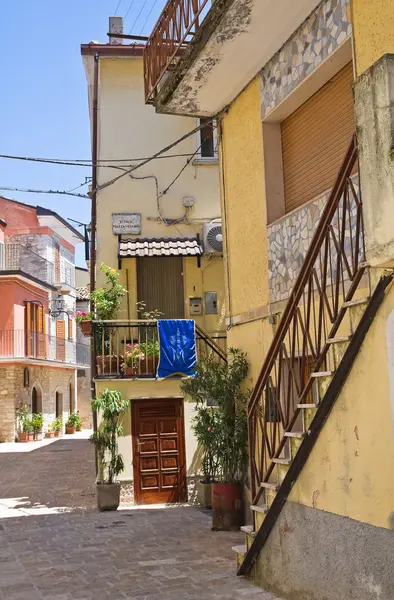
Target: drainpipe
93, 224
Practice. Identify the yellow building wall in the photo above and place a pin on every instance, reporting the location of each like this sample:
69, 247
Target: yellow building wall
373, 27
244, 202
138, 389
130, 128
350, 470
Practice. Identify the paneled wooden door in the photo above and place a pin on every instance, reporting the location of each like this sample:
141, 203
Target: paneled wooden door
159, 460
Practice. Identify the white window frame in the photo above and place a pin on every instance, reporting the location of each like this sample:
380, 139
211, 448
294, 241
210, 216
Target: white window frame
198, 159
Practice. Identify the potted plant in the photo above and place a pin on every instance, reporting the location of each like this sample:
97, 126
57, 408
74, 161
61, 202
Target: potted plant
57, 426
133, 356
37, 421
205, 428
222, 384
28, 430
78, 422
71, 423
85, 322
151, 351
50, 433
106, 301
21, 414
110, 407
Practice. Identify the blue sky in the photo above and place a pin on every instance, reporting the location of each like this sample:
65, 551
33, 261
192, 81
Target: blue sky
43, 97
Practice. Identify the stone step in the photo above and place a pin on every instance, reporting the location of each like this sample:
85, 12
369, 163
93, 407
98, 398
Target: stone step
295, 434
307, 405
282, 461
355, 302
339, 340
268, 485
240, 552
259, 515
248, 529
322, 374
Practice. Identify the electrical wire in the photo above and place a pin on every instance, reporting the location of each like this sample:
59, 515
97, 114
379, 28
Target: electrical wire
77, 188
116, 9
149, 14
79, 162
138, 16
32, 191
144, 162
128, 10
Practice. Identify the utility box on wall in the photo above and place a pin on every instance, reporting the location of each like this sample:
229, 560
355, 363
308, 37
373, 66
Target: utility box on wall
195, 306
211, 303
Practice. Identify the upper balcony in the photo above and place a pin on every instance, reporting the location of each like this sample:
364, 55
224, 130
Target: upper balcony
131, 349
16, 259
202, 53
22, 344
65, 278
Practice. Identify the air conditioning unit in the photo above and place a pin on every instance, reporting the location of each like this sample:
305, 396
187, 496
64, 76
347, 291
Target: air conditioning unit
213, 238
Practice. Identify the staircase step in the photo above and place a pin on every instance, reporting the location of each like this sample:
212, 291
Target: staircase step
282, 461
269, 486
295, 434
261, 509
355, 302
240, 552
338, 340
307, 405
248, 529
322, 374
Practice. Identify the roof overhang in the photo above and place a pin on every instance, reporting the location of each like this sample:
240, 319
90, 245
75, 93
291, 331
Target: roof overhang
51, 219
236, 39
139, 247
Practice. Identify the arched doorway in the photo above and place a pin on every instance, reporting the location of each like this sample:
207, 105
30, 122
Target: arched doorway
59, 404
36, 401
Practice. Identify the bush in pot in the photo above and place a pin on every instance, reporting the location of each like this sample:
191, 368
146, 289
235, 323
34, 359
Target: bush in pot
57, 426
21, 416
72, 422
222, 385
37, 421
133, 356
204, 427
111, 407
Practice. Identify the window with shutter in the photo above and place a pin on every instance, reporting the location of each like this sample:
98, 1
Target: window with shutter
315, 139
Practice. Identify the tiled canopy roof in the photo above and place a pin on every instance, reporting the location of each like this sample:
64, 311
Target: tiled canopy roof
83, 293
159, 247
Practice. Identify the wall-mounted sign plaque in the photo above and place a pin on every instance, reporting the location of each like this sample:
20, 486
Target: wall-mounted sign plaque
126, 223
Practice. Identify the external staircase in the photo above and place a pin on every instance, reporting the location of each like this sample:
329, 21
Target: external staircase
319, 335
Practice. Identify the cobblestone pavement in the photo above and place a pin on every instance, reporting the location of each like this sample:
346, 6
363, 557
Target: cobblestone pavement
54, 545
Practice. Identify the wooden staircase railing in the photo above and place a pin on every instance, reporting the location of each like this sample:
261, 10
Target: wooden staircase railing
300, 351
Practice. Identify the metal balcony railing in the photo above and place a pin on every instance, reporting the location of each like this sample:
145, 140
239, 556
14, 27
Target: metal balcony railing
177, 25
66, 276
17, 257
23, 343
130, 349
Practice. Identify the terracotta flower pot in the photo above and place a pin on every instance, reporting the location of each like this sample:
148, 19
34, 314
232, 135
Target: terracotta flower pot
70, 429
131, 371
151, 365
86, 327
57, 433
204, 494
108, 496
23, 437
30, 437
108, 365
37, 436
50, 434
227, 510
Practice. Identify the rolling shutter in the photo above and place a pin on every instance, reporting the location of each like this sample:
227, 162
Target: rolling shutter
315, 139
160, 285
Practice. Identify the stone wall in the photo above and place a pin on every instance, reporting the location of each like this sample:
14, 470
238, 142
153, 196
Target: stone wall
313, 42
288, 241
47, 382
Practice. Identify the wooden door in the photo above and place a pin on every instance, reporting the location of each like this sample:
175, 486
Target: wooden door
159, 460
60, 340
160, 285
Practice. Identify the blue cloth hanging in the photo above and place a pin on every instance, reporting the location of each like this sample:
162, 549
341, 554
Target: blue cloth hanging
177, 347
